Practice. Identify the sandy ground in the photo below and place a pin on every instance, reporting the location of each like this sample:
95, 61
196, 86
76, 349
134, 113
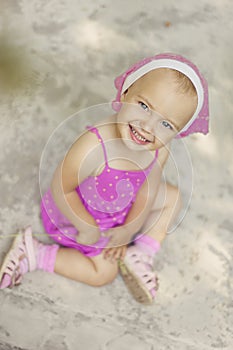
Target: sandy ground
59, 57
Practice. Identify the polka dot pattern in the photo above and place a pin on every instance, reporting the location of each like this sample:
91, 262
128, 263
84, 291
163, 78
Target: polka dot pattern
109, 196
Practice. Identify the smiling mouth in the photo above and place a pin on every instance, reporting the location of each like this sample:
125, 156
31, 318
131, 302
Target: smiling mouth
137, 137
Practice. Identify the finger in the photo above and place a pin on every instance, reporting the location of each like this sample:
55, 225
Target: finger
106, 253
123, 253
109, 255
119, 252
114, 255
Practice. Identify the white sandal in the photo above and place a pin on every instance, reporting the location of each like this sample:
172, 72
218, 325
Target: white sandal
22, 247
137, 272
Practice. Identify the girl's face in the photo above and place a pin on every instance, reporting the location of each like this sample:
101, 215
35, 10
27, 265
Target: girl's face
154, 110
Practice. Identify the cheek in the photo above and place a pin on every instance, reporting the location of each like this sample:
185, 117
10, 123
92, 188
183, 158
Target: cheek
162, 130
123, 130
126, 113
163, 139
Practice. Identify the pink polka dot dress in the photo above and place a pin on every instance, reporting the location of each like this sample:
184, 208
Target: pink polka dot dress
108, 197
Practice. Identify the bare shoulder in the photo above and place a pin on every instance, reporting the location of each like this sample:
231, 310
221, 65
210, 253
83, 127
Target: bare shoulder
81, 146
73, 171
85, 154
107, 128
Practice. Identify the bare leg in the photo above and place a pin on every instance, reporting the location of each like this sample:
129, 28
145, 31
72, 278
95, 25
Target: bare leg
164, 211
137, 267
95, 271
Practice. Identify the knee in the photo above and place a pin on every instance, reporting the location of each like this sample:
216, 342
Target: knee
174, 198
104, 277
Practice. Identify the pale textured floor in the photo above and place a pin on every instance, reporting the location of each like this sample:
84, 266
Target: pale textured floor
57, 57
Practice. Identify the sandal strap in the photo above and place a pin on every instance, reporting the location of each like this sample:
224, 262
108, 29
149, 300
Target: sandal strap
142, 265
149, 279
16, 277
140, 259
13, 261
18, 254
31, 255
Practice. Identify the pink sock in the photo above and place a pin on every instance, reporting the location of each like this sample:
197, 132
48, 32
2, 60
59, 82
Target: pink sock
147, 244
46, 256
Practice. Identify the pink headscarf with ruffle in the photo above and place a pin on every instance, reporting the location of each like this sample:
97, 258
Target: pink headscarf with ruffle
200, 120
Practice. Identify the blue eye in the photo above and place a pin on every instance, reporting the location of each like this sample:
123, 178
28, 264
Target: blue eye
144, 106
167, 125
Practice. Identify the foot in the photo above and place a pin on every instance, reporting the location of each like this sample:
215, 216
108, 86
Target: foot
19, 260
137, 272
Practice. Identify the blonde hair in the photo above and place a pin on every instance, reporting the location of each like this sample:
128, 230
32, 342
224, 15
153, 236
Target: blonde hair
185, 85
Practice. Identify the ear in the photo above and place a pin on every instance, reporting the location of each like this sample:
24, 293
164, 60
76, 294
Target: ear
122, 99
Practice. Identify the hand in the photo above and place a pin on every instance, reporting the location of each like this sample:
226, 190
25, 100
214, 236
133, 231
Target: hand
115, 254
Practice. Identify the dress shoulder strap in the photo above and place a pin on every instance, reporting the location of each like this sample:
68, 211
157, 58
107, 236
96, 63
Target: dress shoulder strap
96, 131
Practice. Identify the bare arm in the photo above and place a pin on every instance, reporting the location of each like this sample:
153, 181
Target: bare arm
65, 180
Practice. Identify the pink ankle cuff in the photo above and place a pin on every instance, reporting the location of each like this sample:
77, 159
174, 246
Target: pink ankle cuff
148, 243
51, 257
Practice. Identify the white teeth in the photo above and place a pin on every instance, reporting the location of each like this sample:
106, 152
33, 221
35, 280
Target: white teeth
139, 137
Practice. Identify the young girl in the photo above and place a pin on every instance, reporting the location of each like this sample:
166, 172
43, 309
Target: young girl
107, 192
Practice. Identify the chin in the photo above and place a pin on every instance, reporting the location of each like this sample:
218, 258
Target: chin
131, 145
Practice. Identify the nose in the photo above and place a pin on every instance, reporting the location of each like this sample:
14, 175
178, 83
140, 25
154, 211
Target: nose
149, 124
